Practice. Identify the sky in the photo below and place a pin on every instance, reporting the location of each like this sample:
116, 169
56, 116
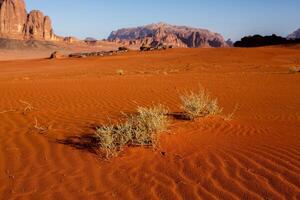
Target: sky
232, 18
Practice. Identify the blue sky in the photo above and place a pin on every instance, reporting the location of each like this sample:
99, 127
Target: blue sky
232, 18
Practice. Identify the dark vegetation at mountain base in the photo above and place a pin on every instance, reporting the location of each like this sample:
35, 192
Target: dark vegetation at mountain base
258, 40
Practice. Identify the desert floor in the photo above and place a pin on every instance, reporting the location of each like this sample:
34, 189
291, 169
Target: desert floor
254, 156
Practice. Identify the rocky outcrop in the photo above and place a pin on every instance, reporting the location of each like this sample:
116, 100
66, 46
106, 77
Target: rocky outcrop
229, 43
70, 40
294, 35
57, 55
162, 33
38, 26
15, 23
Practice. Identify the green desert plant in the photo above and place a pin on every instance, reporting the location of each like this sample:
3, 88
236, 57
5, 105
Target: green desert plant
199, 104
294, 69
140, 129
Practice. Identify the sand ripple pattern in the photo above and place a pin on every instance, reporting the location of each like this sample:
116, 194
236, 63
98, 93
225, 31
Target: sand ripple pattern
221, 160
255, 156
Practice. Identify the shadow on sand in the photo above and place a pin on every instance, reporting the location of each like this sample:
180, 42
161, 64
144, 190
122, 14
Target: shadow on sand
179, 116
87, 143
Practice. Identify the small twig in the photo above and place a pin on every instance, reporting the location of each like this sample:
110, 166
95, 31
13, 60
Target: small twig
7, 111
41, 129
28, 107
230, 116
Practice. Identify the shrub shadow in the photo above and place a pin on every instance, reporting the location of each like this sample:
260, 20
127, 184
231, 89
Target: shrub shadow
87, 143
179, 116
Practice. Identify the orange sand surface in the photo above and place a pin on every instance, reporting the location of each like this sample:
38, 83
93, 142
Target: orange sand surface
254, 156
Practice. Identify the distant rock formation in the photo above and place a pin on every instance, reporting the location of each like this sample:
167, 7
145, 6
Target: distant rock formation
90, 41
229, 43
70, 39
15, 23
294, 35
162, 33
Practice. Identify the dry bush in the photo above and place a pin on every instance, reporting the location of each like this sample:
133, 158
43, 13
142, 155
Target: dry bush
112, 138
140, 129
199, 105
147, 123
294, 69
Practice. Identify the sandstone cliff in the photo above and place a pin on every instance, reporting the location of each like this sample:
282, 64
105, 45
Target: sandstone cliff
12, 18
38, 26
178, 36
16, 23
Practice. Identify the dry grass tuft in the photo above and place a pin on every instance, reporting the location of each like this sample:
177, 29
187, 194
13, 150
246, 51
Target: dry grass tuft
112, 138
294, 69
140, 130
147, 123
199, 105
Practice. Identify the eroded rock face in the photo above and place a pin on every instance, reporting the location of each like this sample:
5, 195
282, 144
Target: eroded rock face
294, 35
178, 36
13, 16
38, 26
15, 23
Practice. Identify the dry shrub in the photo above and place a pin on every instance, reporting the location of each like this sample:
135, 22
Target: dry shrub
199, 105
112, 138
140, 129
294, 69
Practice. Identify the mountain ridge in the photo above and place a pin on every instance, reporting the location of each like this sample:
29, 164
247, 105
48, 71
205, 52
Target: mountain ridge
178, 36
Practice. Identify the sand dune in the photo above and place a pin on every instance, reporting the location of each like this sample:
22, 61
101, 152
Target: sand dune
254, 156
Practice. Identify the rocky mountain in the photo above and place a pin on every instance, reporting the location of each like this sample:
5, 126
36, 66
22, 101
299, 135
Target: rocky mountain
16, 23
178, 36
294, 35
229, 43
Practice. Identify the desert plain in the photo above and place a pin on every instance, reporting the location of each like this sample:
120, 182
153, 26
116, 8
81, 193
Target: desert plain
254, 155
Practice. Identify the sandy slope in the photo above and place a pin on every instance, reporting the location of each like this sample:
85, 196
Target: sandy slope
21, 50
255, 156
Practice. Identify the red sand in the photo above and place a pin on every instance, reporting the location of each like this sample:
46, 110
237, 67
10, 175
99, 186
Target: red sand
254, 156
